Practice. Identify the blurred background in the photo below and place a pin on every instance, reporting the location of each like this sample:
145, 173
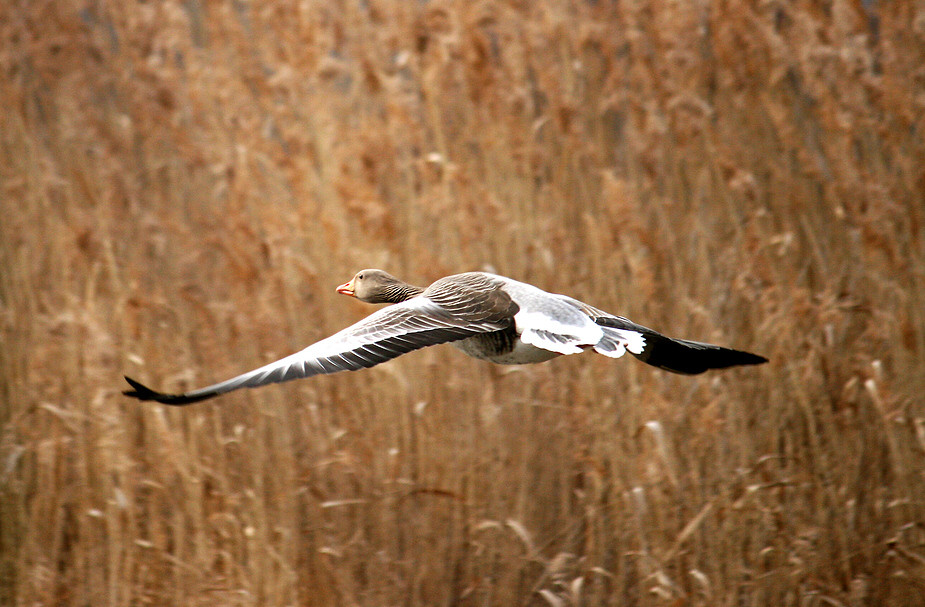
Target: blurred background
184, 183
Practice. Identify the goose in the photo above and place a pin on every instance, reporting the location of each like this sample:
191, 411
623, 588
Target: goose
487, 316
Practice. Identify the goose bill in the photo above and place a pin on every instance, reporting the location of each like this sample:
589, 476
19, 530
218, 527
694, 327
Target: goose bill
346, 289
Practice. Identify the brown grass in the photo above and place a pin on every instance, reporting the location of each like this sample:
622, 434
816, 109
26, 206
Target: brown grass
184, 183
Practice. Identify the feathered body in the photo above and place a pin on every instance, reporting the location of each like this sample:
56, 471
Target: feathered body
489, 317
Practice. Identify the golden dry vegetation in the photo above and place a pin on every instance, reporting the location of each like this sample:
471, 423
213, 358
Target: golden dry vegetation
184, 183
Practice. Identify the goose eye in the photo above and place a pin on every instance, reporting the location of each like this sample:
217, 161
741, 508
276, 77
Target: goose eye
360, 276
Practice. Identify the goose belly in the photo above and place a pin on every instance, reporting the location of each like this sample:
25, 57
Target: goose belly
503, 348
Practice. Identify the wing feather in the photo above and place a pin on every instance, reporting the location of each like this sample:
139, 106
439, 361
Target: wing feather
381, 336
668, 353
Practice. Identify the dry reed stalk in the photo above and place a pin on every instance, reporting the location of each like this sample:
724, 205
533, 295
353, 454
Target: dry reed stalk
183, 184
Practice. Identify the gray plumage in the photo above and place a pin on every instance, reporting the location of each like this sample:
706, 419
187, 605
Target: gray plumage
486, 316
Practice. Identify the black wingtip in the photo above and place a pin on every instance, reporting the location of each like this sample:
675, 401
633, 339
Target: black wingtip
144, 393
724, 358
140, 391
747, 358
693, 358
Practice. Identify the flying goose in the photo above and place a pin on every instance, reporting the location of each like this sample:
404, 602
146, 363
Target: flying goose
486, 316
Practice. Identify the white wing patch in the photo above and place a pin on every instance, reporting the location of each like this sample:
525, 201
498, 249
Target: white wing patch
616, 342
563, 325
553, 342
549, 332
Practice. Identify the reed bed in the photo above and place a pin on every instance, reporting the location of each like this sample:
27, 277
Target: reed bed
184, 183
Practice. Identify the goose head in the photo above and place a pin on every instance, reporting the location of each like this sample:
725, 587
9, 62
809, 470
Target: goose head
378, 286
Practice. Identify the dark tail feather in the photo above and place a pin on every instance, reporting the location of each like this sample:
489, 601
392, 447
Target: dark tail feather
143, 392
692, 357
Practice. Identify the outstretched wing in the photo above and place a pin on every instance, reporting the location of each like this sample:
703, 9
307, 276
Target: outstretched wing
381, 336
676, 355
